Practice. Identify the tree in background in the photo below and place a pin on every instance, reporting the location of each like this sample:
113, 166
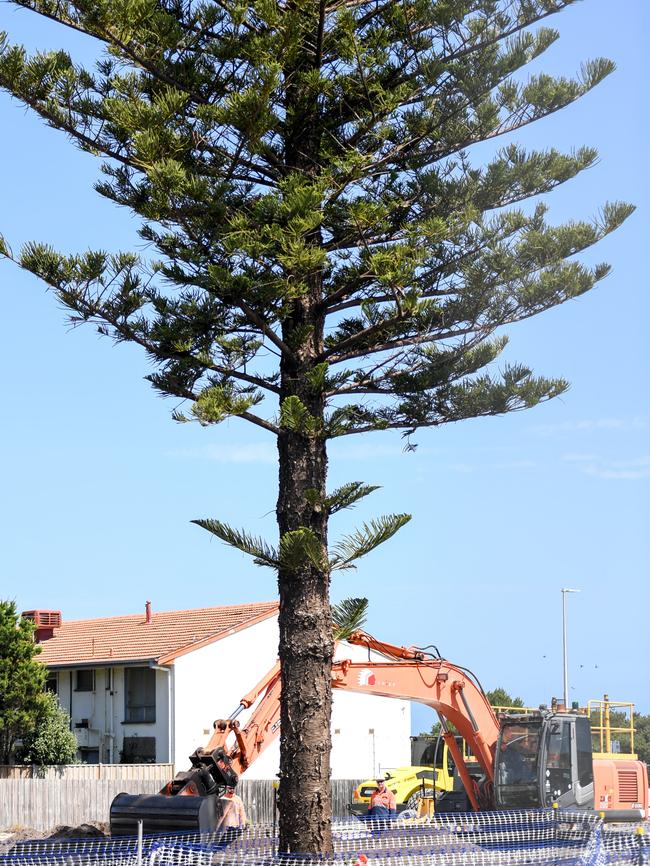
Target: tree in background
22, 680
500, 698
642, 737
497, 697
51, 742
326, 259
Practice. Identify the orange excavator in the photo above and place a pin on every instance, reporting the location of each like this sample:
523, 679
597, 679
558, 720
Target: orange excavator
531, 760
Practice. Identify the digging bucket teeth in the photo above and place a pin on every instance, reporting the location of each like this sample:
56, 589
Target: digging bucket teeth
162, 814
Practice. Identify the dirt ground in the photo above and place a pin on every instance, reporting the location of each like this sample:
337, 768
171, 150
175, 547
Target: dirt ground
11, 838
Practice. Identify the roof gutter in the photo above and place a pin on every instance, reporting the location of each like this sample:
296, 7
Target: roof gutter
102, 663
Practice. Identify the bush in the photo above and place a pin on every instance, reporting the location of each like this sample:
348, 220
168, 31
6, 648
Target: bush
52, 742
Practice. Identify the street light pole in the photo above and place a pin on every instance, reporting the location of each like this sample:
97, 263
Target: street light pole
564, 646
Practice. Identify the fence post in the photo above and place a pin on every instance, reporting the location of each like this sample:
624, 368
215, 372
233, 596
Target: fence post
140, 831
275, 807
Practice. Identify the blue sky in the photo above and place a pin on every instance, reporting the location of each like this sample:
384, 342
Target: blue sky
99, 484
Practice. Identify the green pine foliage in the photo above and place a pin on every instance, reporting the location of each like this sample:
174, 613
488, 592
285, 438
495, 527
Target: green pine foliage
22, 680
349, 616
422, 255
51, 743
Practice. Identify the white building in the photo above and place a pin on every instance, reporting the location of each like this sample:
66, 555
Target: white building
147, 687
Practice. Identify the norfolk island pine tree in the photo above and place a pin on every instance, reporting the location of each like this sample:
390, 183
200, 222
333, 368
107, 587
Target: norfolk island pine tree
328, 261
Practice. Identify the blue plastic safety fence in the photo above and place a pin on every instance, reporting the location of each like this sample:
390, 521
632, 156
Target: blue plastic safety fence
521, 838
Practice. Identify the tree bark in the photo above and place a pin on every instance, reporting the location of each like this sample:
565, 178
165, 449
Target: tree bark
306, 648
305, 620
306, 642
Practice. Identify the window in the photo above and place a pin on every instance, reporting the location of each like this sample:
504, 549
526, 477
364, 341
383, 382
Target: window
85, 680
519, 746
52, 683
140, 695
585, 760
138, 750
559, 746
89, 755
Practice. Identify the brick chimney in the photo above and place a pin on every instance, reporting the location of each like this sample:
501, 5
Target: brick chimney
46, 621
147, 612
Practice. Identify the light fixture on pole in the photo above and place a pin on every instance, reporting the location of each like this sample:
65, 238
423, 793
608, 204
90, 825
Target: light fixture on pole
564, 646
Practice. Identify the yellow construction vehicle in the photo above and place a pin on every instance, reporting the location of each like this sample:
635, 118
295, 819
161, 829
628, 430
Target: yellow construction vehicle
431, 773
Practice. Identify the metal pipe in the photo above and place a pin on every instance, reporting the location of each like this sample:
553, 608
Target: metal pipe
468, 709
234, 714
140, 831
169, 670
564, 647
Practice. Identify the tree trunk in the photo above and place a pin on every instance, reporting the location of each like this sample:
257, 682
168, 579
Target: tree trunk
306, 642
306, 647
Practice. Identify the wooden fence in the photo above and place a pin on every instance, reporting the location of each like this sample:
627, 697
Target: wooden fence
141, 772
46, 803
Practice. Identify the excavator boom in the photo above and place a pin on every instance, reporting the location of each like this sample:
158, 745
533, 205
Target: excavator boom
532, 761
437, 683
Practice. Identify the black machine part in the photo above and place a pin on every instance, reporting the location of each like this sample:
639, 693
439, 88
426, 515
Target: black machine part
190, 801
161, 813
217, 764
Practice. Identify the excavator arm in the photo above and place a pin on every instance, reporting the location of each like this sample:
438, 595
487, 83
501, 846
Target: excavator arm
263, 726
450, 690
191, 801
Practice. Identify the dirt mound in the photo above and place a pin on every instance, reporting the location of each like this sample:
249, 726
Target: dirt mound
81, 831
18, 837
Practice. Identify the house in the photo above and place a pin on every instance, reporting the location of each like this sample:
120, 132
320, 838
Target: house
146, 687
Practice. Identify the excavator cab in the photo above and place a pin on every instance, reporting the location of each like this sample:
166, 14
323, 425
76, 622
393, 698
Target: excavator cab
544, 758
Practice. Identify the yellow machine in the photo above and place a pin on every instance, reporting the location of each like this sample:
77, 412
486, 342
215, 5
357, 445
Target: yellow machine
415, 787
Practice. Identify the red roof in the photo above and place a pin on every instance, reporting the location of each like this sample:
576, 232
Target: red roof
116, 639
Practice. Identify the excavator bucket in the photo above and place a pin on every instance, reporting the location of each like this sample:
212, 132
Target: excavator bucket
163, 814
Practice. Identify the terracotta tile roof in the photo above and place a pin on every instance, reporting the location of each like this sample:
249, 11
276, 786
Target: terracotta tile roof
171, 633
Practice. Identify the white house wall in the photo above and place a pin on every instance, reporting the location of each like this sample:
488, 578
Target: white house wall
209, 682
369, 733
104, 709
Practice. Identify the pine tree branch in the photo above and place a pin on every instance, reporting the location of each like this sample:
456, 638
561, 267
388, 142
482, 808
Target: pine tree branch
109, 38
260, 422
101, 316
349, 616
381, 166
385, 385
245, 416
415, 340
88, 143
256, 319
